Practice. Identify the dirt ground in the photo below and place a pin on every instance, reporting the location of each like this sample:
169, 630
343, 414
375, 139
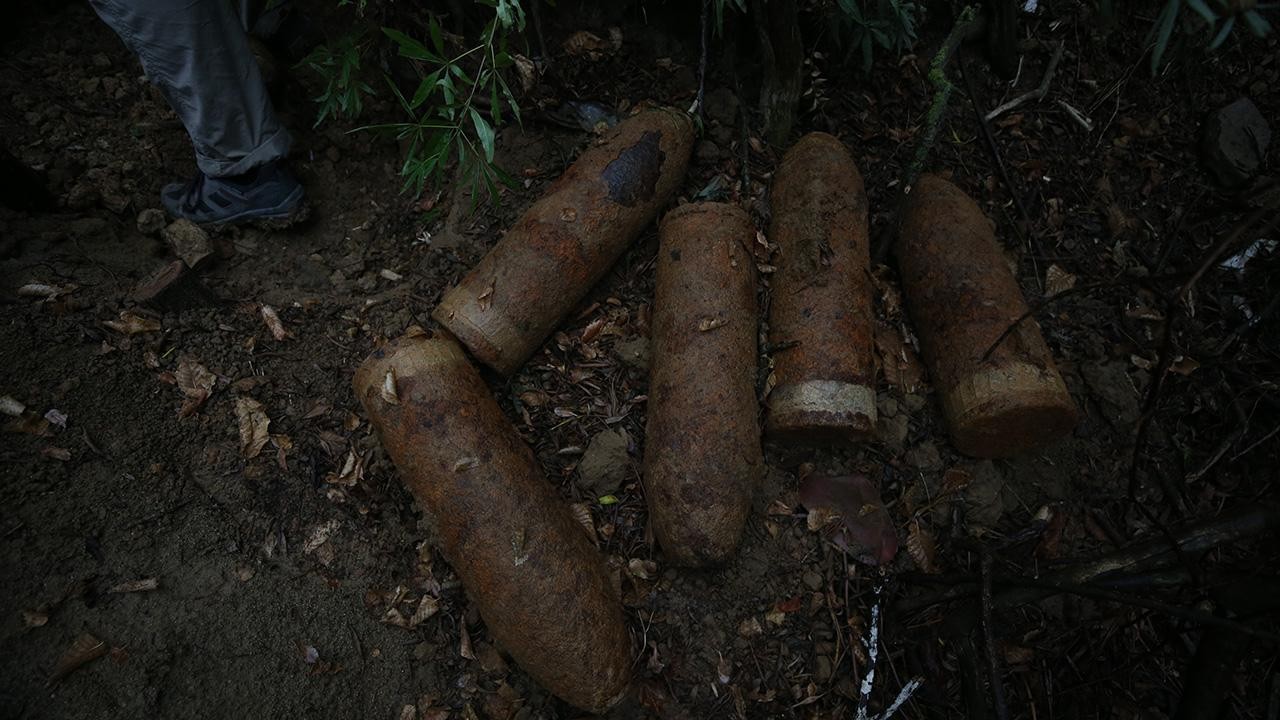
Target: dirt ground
274, 576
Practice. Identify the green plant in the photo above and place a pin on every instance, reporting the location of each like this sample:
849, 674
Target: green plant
1221, 19
448, 119
338, 65
887, 24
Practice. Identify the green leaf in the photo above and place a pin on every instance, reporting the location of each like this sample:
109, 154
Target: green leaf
1164, 31
484, 131
1222, 35
608, 500
425, 88
1203, 11
411, 48
437, 40
1258, 25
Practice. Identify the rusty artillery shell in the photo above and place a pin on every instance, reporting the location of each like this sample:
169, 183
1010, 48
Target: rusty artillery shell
541, 587
820, 314
702, 444
508, 304
962, 297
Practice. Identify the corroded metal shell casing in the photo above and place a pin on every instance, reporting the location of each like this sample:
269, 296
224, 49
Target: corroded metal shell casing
702, 454
962, 296
820, 311
542, 588
505, 308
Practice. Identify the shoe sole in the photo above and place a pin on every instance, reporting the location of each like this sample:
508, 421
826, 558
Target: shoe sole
288, 212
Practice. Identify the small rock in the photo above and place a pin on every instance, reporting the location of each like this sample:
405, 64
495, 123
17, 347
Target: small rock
604, 464
91, 86
333, 153
1235, 142
189, 242
101, 60
914, 402
721, 105
83, 196
892, 431
812, 580
886, 406
367, 282
924, 457
707, 152
115, 203
634, 353
151, 221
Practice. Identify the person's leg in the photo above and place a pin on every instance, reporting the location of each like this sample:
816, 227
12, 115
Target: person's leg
197, 53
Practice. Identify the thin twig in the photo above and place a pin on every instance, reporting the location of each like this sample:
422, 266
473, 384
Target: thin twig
988, 637
990, 141
1044, 303
1076, 115
702, 63
1197, 616
1038, 93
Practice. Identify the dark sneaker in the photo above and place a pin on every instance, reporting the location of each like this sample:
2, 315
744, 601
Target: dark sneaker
267, 193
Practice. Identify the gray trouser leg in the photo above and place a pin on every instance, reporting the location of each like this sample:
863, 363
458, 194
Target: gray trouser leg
197, 53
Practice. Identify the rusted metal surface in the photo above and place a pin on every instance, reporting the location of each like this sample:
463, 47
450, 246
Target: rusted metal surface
702, 443
543, 590
962, 296
820, 311
564, 243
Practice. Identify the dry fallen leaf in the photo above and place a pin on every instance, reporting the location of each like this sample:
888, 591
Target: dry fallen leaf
352, 471
1183, 365
711, 323
143, 585
898, 360
1057, 280
320, 535
464, 643
272, 321
921, 548
585, 43
196, 383
388, 389
56, 453
45, 292
582, 513
865, 527
86, 648
427, 607
642, 569
31, 423
35, 618
131, 323
253, 422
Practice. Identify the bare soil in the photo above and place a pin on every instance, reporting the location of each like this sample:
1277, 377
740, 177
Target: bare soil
275, 574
